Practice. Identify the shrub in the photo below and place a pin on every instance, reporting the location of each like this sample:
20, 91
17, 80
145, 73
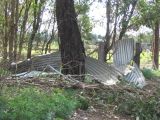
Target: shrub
143, 109
4, 72
34, 104
150, 73
3, 106
83, 103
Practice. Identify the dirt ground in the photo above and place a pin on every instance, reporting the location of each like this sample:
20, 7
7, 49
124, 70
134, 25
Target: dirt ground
95, 111
98, 113
101, 112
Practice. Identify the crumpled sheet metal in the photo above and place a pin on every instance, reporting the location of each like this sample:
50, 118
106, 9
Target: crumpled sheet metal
124, 53
100, 71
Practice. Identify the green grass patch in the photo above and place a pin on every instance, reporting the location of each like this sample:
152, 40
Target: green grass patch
148, 109
146, 57
150, 73
36, 104
4, 72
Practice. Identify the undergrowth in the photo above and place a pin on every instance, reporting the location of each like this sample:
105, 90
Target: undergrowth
132, 104
4, 72
142, 109
36, 104
150, 73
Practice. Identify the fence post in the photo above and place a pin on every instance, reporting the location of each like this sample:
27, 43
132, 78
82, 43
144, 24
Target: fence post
137, 54
101, 55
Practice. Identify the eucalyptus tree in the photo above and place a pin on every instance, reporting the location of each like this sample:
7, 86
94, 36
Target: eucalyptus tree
37, 12
8, 28
14, 30
71, 45
148, 14
23, 23
12, 14
118, 16
52, 22
82, 8
4, 27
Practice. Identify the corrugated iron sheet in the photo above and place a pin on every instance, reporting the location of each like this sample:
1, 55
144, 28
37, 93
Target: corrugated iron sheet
103, 72
124, 53
136, 76
98, 70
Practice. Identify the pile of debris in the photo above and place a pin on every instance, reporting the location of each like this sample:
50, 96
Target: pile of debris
102, 72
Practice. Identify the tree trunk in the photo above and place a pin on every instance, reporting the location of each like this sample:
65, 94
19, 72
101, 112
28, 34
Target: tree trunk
53, 21
137, 54
36, 22
12, 31
49, 41
23, 27
101, 52
52, 35
16, 29
125, 20
71, 45
5, 42
155, 46
108, 36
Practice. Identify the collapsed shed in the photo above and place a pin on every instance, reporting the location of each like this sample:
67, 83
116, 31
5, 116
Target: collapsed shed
103, 72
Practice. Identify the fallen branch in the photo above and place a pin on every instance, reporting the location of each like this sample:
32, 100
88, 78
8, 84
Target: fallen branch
81, 85
64, 76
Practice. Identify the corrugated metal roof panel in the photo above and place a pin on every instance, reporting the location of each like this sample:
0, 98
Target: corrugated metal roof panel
99, 70
124, 53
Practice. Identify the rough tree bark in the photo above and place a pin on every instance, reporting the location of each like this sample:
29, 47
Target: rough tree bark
103, 46
155, 46
137, 54
125, 20
5, 41
16, 29
52, 35
71, 45
101, 52
12, 30
23, 26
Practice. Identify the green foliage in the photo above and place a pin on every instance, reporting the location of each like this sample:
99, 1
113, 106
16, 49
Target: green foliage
148, 13
83, 103
3, 106
146, 58
131, 103
143, 109
4, 72
34, 104
150, 73
82, 9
